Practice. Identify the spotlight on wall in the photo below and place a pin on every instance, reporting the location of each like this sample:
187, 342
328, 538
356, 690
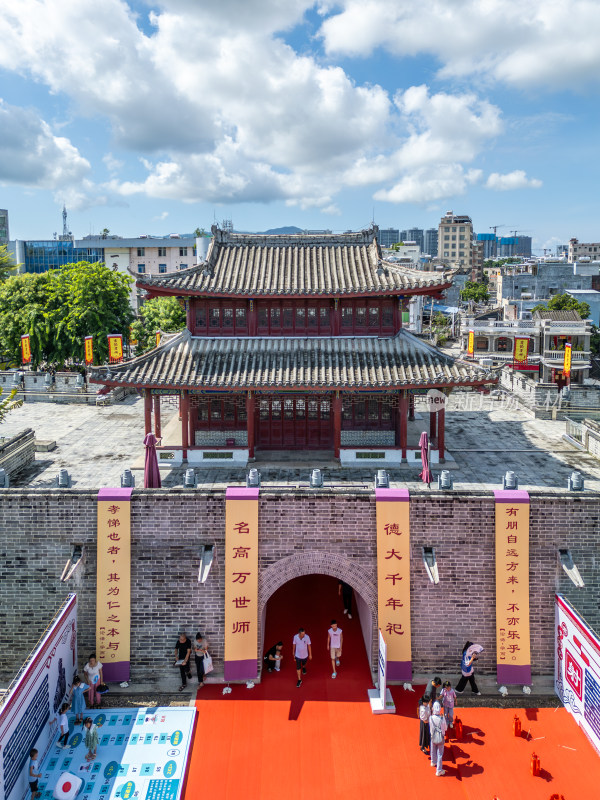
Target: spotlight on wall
72, 563
252, 478
4, 479
510, 481
445, 480
575, 482
430, 562
382, 479
566, 559
316, 479
207, 556
127, 479
63, 479
190, 481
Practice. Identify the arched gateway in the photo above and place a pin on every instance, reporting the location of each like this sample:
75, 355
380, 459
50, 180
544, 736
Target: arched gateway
313, 562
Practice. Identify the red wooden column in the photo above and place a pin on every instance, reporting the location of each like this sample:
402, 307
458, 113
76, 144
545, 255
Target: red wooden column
411, 406
397, 313
337, 317
250, 407
157, 430
403, 410
185, 411
441, 432
147, 411
191, 424
337, 425
252, 318
432, 425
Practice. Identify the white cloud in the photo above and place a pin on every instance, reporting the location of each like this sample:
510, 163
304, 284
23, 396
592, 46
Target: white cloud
112, 164
31, 155
425, 184
552, 44
512, 180
219, 109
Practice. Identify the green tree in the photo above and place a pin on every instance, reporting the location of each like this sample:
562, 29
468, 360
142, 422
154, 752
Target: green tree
22, 311
7, 265
475, 291
595, 341
59, 308
564, 302
159, 314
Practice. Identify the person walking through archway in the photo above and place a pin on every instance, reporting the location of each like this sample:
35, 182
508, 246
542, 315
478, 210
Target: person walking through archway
335, 638
302, 652
346, 591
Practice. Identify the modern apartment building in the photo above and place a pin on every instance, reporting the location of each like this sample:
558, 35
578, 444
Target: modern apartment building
578, 250
431, 242
3, 226
414, 235
455, 238
142, 255
388, 236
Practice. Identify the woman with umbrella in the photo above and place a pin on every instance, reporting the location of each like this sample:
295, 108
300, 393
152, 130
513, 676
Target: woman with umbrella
469, 656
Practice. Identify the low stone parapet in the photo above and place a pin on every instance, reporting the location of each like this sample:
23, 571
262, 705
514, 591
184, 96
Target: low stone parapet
17, 452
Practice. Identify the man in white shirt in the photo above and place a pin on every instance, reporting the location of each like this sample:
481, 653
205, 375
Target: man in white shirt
334, 646
302, 651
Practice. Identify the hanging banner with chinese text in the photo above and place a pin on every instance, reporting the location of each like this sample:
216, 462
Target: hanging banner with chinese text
471, 343
115, 347
521, 349
26, 349
393, 579
512, 587
113, 592
567, 363
241, 583
89, 349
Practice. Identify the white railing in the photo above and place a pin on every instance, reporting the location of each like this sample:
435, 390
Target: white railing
559, 355
492, 324
557, 325
574, 429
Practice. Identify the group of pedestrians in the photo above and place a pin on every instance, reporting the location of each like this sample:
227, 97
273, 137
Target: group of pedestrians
302, 644
183, 656
436, 708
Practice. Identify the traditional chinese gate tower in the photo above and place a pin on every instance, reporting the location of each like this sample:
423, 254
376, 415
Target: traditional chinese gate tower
293, 343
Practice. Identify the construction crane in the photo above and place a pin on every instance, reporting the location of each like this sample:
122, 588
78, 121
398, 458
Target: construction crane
495, 228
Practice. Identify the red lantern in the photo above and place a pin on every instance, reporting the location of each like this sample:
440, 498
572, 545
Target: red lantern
535, 765
458, 728
517, 726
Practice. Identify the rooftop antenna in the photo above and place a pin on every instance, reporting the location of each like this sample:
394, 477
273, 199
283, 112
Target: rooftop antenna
66, 234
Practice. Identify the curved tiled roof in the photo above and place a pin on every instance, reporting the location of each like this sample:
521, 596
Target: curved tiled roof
258, 363
262, 266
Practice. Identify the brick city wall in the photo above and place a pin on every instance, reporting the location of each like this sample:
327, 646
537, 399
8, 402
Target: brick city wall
300, 533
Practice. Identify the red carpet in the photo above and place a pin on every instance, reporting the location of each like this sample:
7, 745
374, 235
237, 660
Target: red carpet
321, 740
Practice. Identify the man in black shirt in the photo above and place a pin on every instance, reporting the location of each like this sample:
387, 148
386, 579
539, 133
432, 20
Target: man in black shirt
274, 657
183, 650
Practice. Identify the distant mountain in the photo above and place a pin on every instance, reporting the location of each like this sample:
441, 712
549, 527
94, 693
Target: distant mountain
285, 231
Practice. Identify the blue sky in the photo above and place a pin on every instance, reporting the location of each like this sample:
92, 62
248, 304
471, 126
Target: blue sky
160, 117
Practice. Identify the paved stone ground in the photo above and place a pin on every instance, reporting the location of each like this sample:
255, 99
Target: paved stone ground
485, 438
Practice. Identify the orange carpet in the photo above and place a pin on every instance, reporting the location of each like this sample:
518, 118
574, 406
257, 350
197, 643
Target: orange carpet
322, 741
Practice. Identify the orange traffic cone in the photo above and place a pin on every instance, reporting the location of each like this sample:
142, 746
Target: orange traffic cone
517, 726
535, 765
